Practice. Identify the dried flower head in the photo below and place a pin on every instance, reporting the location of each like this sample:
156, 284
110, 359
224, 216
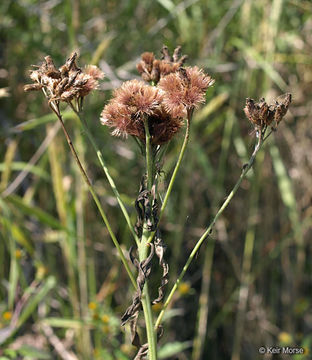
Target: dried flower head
152, 69
134, 103
184, 90
261, 115
67, 83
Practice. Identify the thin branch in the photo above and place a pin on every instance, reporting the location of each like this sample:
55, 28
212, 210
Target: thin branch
245, 170
175, 171
107, 174
95, 197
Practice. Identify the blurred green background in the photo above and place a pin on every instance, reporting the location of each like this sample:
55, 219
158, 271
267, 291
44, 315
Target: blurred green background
62, 288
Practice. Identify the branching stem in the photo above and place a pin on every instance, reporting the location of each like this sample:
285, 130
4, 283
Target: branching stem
107, 174
55, 108
245, 170
175, 171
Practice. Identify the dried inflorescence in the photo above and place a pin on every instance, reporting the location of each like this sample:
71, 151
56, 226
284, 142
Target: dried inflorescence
163, 106
134, 103
67, 83
184, 89
152, 70
262, 115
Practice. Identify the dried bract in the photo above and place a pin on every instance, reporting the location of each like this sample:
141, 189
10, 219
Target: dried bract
67, 83
33, 87
152, 69
184, 90
261, 115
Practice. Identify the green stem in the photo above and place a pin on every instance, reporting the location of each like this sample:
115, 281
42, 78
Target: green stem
95, 197
175, 171
246, 168
146, 302
246, 272
178, 164
108, 176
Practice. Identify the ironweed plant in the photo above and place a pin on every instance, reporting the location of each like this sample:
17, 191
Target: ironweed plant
152, 111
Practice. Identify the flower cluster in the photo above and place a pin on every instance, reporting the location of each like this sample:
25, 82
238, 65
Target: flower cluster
67, 83
163, 106
134, 103
261, 115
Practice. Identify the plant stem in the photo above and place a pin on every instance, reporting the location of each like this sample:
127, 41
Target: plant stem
175, 171
95, 197
246, 273
245, 170
146, 302
108, 176
203, 311
81, 264
149, 160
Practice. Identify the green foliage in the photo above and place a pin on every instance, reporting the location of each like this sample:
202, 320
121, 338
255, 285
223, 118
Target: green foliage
173, 348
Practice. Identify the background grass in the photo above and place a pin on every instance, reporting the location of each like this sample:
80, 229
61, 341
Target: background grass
62, 288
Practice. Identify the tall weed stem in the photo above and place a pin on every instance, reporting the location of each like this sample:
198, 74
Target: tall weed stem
146, 302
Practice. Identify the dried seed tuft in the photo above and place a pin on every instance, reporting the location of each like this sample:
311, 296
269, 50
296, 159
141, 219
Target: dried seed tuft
184, 90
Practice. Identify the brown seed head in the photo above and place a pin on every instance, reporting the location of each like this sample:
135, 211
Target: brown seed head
142, 99
152, 69
132, 105
67, 83
261, 115
184, 90
163, 126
